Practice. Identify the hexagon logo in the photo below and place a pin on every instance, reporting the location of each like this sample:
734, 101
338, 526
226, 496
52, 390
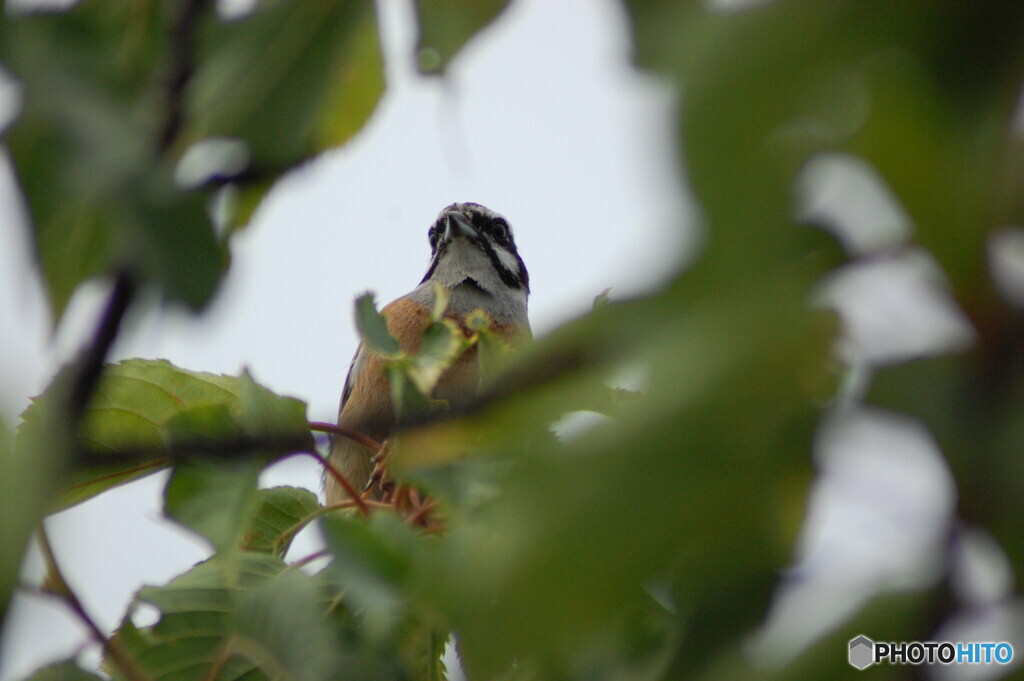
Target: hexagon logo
862, 652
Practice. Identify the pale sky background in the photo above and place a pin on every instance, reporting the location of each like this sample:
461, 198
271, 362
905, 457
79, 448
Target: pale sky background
543, 120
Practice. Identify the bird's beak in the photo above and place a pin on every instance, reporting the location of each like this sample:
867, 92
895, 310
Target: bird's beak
457, 225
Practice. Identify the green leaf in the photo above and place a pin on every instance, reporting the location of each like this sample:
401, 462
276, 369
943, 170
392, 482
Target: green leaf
407, 399
560, 555
373, 328
446, 26
493, 353
378, 563
213, 498
441, 344
281, 627
280, 513
30, 476
65, 670
197, 620
322, 80
370, 560
144, 412
441, 298
91, 484
264, 413
251, 616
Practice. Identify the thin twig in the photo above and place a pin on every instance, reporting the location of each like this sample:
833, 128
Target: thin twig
420, 516
306, 560
58, 586
340, 479
353, 435
182, 66
91, 361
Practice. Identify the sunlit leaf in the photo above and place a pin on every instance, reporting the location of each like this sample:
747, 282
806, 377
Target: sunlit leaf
442, 343
442, 296
493, 353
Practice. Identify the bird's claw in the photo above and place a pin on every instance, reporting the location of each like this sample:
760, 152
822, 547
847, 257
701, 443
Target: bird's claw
379, 476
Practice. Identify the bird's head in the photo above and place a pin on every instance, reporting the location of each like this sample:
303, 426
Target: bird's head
471, 245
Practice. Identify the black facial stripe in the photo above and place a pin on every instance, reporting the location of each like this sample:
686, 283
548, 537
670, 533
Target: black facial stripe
511, 279
433, 262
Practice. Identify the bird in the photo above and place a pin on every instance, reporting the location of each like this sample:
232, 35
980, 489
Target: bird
473, 256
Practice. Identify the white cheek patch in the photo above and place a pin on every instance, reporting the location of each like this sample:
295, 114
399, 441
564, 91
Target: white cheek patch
508, 260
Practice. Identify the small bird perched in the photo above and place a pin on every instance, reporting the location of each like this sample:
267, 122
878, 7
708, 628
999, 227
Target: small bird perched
474, 257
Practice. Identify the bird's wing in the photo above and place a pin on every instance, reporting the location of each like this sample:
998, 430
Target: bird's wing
350, 379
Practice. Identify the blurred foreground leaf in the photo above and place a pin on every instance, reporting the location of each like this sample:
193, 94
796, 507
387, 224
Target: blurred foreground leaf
319, 88
446, 26
101, 198
381, 563
373, 328
562, 554
67, 670
213, 498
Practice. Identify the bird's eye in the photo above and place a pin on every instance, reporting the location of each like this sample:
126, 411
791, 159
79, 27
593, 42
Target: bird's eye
500, 230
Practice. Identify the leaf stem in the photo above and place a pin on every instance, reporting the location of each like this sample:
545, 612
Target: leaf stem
306, 560
341, 480
353, 435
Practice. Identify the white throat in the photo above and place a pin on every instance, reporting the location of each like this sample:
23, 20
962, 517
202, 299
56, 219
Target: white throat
463, 260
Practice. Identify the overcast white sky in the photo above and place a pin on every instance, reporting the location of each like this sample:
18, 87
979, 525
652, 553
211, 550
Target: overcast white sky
542, 119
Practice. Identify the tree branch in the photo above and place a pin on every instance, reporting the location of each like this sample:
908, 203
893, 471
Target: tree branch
182, 66
95, 354
55, 585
